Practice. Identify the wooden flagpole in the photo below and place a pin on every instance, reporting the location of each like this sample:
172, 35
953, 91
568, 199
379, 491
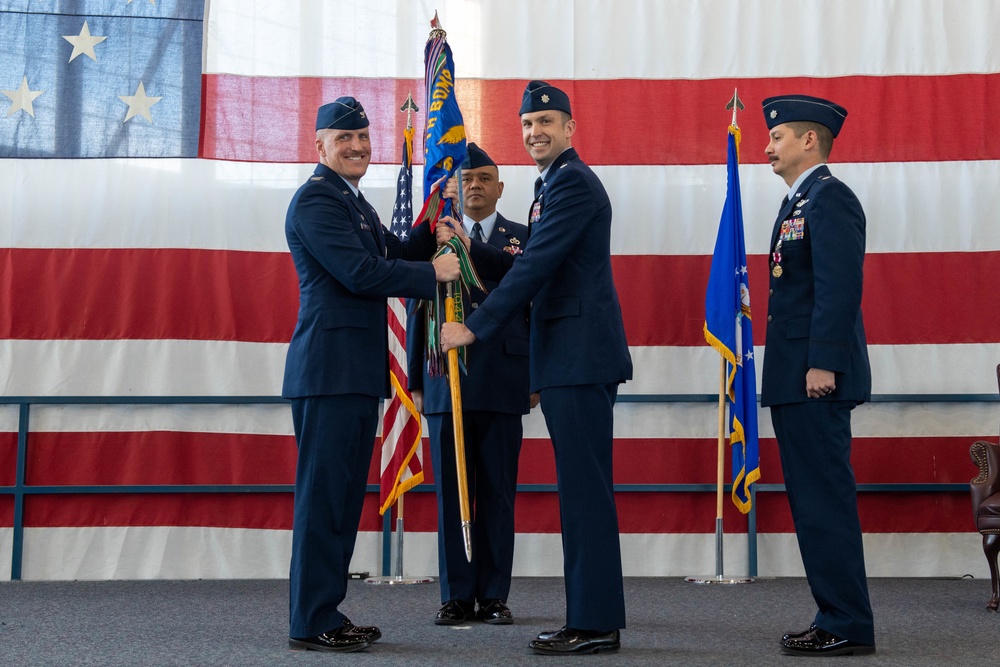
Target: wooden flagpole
720, 477
459, 429
734, 105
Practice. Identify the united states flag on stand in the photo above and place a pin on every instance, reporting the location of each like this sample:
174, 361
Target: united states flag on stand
402, 467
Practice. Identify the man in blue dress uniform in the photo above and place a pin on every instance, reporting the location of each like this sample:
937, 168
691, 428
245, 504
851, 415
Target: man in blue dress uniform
579, 356
816, 368
337, 366
494, 398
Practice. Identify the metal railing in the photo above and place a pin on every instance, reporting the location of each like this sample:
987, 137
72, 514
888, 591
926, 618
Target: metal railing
21, 489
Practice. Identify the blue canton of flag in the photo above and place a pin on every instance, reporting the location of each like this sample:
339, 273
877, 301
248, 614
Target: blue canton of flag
100, 78
728, 328
402, 210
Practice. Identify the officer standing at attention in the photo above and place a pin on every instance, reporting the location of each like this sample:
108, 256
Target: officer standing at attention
494, 398
337, 366
579, 356
816, 368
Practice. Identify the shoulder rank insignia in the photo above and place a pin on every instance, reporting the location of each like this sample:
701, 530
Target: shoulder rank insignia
824, 178
563, 165
317, 178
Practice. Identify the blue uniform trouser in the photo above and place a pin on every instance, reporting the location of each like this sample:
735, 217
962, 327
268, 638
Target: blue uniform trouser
492, 446
580, 421
814, 440
335, 437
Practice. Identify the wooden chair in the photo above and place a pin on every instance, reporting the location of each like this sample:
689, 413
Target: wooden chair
985, 490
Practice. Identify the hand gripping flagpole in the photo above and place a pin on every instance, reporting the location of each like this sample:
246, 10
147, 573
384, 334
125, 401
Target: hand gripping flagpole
734, 105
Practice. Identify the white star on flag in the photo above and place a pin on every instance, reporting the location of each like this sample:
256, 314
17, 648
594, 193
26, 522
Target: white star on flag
83, 43
139, 103
22, 98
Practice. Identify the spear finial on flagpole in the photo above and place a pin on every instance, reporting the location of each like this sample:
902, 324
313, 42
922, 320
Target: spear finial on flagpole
410, 107
437, 31
735, 105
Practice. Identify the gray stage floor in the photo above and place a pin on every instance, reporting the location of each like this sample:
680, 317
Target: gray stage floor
929, 622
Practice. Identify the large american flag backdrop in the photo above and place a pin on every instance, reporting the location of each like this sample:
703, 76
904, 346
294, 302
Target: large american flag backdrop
142, 254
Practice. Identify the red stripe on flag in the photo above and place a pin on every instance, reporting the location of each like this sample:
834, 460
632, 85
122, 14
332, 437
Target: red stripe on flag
8, 458
921, 289
139, 293
179, 457
159, 457
271, 119
234, 510
689, 512
217, 295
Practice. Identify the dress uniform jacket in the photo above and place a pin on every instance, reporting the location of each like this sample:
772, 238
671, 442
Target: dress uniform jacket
494, 397
577, 335
814, 310
347, 266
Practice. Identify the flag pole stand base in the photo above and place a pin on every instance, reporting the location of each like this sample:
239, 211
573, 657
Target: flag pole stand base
719, 580
397, 581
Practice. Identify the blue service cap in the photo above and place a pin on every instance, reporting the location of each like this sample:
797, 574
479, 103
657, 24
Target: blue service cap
792, 108
344, 113
477, 157
543, 96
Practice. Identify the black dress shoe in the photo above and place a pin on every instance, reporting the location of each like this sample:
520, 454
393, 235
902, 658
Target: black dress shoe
549, 634
797, 635
819, 642
370, 632
454, 612
575, 642
495, 612
339, 640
